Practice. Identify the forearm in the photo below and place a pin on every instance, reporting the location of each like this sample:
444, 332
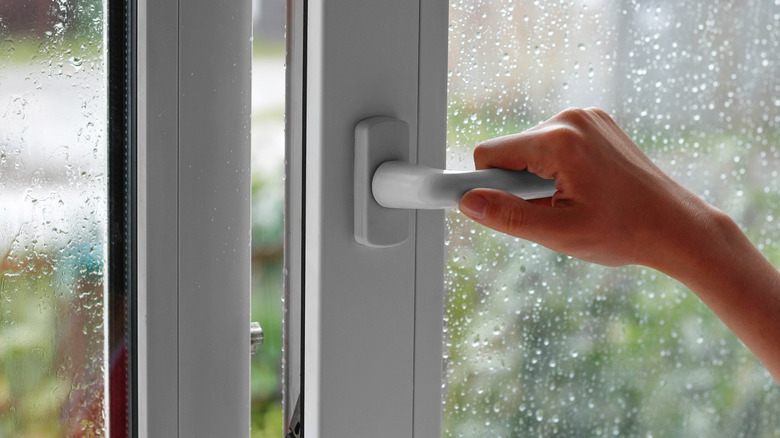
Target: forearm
716, 260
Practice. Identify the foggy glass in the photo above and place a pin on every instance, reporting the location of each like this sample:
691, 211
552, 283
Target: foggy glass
540, 344
53, 219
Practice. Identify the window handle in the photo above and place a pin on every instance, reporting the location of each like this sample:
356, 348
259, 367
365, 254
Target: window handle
398, 184
387, 186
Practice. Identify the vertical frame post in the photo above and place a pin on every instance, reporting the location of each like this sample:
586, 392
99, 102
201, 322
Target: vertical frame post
194, 231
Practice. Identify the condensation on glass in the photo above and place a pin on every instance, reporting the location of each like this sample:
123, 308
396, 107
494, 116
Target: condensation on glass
539, 344
54, 358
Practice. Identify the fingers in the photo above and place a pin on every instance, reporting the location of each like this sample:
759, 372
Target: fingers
545, 202
512, 215
517, 151
542, 148
605, 187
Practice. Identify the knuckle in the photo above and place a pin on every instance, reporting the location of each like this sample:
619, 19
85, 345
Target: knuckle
513, 220
482, 153
602, 115
573, 115
598, 112
568, 145
481, 149
566, 136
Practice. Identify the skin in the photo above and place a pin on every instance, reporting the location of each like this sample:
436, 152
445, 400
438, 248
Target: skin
614, 207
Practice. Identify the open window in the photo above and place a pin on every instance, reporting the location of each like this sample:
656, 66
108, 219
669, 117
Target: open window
125, 227
507, 338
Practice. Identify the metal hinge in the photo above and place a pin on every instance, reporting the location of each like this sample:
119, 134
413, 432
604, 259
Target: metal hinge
296, 426
256, 336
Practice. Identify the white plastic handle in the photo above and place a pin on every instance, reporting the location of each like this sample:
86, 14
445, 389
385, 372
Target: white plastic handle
398, 184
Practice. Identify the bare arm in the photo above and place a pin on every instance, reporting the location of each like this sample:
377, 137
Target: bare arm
615, 207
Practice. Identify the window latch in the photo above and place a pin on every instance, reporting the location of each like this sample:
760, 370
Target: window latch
388, 186
256, 336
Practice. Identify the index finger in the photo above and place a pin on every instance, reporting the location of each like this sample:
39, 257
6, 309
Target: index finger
529, 150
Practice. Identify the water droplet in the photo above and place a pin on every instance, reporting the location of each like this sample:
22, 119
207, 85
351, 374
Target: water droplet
77, 62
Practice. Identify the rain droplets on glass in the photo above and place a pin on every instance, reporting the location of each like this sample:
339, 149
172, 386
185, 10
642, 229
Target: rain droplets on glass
53, 213
539, 344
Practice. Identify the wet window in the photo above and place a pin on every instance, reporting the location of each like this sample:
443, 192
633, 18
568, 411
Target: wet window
540, 344
54, 352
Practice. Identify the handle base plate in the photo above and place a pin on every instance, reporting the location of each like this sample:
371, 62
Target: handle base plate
379, 139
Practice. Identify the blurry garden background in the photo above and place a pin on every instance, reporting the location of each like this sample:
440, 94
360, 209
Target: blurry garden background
537, 344
268, 93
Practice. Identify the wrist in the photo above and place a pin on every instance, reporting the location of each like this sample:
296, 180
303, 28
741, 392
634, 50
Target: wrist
707, 251
693, 240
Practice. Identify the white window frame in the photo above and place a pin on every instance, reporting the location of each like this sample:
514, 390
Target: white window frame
363, 326
193, 217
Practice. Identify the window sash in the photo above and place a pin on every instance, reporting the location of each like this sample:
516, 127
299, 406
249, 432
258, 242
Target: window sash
363, 326
193, 213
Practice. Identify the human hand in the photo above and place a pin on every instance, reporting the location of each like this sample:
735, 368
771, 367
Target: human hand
613, 206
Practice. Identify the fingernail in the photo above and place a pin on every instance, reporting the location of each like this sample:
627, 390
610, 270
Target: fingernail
474, 205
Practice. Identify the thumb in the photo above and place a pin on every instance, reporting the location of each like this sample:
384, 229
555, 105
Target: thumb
509, 214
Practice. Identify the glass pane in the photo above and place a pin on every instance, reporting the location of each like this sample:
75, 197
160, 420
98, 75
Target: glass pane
539, 344
54, 357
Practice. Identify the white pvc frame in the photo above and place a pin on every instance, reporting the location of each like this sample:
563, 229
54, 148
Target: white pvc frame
193, 217
363, 325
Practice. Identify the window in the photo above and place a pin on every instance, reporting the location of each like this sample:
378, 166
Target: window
64, 317
125, 194
124, 167
363, 324
535, 342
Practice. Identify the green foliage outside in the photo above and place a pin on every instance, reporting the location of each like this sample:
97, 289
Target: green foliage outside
31, 391
267, 242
